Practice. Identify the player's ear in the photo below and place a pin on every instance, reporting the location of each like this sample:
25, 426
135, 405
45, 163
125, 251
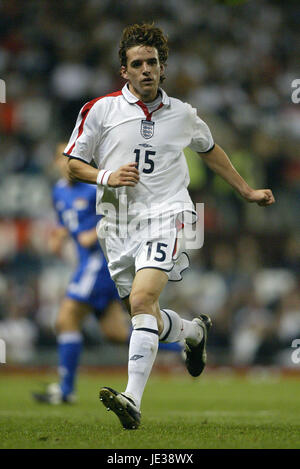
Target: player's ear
123, 72
162, 72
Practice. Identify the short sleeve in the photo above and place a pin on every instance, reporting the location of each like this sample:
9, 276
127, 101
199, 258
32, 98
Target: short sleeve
85, 135
202, 140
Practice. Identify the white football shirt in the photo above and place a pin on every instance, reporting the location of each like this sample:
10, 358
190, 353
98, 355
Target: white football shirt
117, 129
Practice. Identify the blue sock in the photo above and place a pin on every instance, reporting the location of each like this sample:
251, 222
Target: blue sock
172, 346
69, 349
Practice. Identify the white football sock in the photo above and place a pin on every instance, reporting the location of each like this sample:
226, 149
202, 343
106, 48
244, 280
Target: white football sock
142, 352
177, 329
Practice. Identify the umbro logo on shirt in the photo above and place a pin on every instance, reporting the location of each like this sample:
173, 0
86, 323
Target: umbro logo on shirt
136, 357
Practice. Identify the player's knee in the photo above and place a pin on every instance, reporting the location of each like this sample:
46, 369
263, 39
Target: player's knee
118, 335
66, 322
60, 324
142, 302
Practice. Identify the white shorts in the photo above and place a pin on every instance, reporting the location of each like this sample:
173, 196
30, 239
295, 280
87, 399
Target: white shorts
156, 244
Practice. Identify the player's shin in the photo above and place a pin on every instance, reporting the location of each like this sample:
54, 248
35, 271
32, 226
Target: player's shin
142, 352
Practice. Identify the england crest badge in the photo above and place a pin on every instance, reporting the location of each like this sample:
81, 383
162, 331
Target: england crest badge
147, 128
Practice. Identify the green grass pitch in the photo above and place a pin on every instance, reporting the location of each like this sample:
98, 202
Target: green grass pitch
215, 411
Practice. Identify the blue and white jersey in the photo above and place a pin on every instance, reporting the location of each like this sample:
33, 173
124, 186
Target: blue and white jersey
75, 205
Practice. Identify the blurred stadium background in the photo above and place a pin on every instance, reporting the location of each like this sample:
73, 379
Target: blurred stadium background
234, 61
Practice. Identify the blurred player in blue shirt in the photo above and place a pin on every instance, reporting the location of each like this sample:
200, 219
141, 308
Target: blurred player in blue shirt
90, 288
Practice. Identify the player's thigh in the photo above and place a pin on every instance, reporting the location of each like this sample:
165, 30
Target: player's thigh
149, 281
114, 322
71, 313
146, 289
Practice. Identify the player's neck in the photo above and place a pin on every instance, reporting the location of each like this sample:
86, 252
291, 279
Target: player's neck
144, 98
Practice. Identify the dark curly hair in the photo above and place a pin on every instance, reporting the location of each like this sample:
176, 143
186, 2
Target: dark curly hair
145, 35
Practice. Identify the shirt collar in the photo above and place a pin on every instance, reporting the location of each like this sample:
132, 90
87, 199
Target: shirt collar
133, 99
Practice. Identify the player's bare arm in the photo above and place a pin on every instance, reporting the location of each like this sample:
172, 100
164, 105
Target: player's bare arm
218, 161
127, 175
80, 171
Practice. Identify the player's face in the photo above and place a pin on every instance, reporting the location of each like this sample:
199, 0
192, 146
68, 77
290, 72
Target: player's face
143, 72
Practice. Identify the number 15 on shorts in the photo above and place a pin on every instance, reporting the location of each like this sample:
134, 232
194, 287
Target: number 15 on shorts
158, 250
156, 254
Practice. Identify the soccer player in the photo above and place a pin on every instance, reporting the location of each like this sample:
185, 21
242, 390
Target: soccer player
136, 136
90, 289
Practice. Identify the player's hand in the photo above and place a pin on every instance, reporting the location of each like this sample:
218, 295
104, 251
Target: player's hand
127, 175
262, 197
87, 238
